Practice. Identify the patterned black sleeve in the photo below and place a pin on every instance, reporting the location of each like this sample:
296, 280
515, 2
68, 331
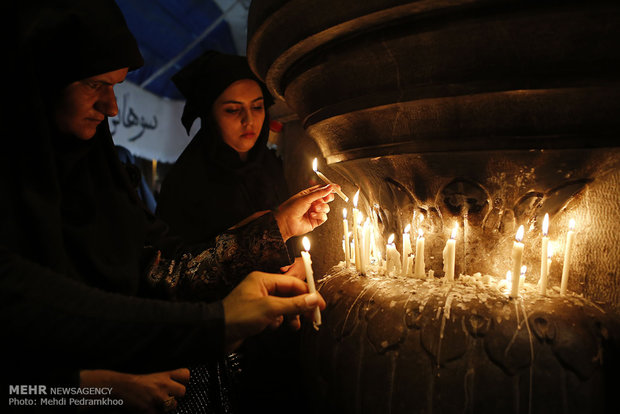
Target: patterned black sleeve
210, 271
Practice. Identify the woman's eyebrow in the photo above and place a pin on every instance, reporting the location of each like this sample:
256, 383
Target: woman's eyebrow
260, 98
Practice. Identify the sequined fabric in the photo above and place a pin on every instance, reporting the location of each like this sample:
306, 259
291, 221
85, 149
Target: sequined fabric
213, 269
212, 388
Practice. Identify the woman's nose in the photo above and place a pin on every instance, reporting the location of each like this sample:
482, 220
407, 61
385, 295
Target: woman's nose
106, 104
247, 118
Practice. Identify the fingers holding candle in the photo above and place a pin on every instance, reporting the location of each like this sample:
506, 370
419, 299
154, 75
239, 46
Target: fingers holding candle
327, 181
304, 211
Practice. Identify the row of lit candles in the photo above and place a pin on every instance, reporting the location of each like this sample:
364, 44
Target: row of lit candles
359, 250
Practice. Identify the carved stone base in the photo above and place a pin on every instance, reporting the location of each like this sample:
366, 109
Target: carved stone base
392, 345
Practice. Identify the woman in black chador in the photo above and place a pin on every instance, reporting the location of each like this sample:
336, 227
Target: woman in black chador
225, 174
87, 274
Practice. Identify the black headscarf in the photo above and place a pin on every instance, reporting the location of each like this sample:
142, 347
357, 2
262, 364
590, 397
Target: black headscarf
205, 78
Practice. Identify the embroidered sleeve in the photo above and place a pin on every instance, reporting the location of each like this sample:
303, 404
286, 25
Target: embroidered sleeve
210, 271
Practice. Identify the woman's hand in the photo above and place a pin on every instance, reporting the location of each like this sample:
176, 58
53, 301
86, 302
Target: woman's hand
148, 393
297, 269
304, 211
262, 300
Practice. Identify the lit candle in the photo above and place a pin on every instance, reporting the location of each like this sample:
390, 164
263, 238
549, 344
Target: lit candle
360, 239
522, 276
567, 252
345, 226
449, 255
406, 268
355, 234
316, 320
420, 271
366, 249
322, 177
392, 262
517, 256
544, 267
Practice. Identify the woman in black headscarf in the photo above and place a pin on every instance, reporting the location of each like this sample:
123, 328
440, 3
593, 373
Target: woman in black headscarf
79, 253
226, 173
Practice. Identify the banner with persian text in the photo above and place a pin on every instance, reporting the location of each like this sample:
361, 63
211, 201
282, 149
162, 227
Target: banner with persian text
147, 125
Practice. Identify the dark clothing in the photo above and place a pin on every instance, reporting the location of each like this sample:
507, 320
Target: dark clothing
79, 254
209, 189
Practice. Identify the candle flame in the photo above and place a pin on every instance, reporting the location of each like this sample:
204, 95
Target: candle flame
407, 228
520, 232
523, 269
315, 164
356, 197
509, 276
454, 230
306, 243
549, 251
545, 228
391, 239
344, 213
421, 217
571, 224
420, 233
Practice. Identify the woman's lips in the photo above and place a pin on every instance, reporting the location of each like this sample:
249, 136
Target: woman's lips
248, 135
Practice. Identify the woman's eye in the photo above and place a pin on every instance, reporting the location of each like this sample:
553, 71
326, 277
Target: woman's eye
231, 110
258, 108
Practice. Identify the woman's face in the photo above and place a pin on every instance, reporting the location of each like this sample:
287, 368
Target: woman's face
239, 113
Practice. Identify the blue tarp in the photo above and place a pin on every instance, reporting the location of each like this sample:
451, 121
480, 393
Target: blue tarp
164, 28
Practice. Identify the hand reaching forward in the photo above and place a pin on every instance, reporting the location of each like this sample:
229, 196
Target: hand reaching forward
262, 300
146, 393
304, 211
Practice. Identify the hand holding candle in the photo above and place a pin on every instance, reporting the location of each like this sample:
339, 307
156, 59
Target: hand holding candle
517, 256
567, 252
326, 180
316, 320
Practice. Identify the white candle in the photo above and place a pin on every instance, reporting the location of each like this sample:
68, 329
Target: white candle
345, 227
326, 180
517, 256
366, 249
449, 255
567, 252
392, 263
316, 320
544, 268
355, 233
360, 239
406, 268
420, 270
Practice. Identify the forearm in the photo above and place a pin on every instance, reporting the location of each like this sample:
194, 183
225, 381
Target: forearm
210, 271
